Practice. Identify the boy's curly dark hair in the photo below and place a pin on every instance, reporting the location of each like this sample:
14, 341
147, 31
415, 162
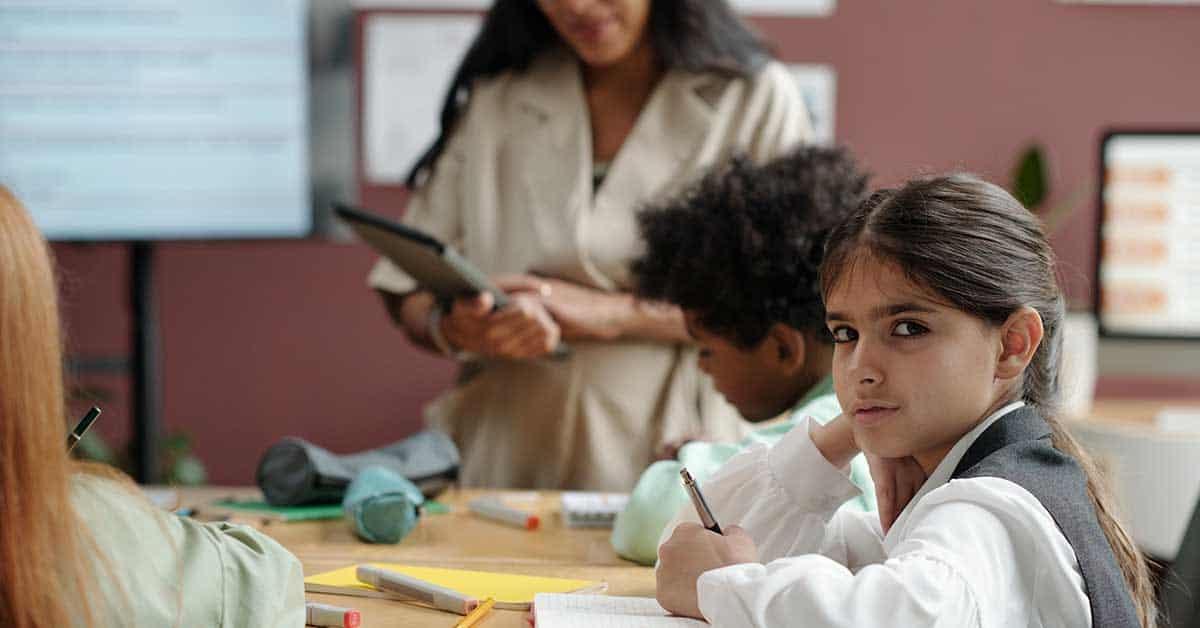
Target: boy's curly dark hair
742, 248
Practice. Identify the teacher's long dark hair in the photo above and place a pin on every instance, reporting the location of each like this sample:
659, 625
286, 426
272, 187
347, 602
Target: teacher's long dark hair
694, 35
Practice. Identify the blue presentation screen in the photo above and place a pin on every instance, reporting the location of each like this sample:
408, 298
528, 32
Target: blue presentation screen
156, 119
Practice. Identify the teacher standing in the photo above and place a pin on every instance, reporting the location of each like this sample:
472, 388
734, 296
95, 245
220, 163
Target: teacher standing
564, 119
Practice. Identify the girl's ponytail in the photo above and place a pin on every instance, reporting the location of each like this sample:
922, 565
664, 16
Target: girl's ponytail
1041, 389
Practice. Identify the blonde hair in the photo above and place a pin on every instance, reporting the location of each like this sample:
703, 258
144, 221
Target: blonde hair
43, 579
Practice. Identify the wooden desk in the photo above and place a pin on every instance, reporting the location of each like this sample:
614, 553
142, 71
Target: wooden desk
1132, 414
1155, 476
456, 539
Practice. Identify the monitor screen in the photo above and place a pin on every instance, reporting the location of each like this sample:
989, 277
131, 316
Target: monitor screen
1149, 257
171, 119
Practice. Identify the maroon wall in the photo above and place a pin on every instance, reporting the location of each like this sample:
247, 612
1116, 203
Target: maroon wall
260, 340
263, 339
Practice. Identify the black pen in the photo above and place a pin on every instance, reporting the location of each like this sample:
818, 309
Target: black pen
706, 517
83, 426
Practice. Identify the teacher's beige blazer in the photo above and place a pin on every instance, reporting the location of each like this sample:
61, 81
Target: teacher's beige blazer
513, 191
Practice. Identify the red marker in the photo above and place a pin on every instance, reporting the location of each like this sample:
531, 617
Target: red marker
329, 615
493, 509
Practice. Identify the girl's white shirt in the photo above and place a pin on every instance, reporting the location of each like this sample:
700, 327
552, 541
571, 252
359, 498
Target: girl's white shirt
966, 552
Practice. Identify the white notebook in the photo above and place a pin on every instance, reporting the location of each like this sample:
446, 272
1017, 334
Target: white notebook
557, 610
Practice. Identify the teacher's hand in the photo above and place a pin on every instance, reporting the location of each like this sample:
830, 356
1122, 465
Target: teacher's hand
522, 329
582, 313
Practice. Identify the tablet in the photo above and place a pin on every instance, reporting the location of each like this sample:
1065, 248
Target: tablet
435, 265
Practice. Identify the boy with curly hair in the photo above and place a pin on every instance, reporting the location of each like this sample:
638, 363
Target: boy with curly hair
739, 252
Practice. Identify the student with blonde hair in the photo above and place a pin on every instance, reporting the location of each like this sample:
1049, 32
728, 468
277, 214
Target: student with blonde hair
79, 546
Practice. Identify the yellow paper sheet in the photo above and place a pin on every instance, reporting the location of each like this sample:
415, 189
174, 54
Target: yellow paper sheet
509, 590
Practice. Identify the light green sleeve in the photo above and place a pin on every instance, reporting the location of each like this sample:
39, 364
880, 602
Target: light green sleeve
659, 492
159, 569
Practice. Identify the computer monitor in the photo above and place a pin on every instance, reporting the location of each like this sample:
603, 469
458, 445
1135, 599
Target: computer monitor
1148, 259
175, 119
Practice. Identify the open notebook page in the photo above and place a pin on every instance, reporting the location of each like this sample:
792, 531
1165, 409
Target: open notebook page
556, 610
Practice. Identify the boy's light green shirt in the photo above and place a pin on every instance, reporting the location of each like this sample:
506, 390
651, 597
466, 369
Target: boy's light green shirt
160, 569
659, 492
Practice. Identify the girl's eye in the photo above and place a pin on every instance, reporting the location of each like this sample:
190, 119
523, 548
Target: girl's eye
843, 334
907, 328
705, 353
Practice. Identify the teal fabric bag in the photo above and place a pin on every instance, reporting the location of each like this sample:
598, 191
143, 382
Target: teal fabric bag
382, 505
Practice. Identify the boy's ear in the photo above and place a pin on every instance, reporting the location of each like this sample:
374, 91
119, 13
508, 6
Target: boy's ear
1020, 337
789, 347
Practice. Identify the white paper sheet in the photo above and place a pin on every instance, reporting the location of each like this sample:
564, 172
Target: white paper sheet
818, 85
782, 8
421, 4
408, 61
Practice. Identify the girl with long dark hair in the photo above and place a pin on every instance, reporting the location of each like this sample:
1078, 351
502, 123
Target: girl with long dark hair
947, 323
564, 118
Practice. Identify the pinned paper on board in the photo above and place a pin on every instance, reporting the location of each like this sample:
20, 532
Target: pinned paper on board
818, 87
780, 8
408, 61
786, 8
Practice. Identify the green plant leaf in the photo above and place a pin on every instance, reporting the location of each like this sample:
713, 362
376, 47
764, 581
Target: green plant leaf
93, 447
187, 471
178, 464
1030, 183
177, 443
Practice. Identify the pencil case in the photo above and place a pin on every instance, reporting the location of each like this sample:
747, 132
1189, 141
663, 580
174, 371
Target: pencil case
294, 471
381, 506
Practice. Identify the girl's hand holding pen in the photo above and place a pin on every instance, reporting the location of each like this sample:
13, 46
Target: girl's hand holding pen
691, 551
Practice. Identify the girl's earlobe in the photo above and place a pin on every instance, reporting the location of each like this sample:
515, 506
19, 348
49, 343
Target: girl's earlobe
1020, 336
